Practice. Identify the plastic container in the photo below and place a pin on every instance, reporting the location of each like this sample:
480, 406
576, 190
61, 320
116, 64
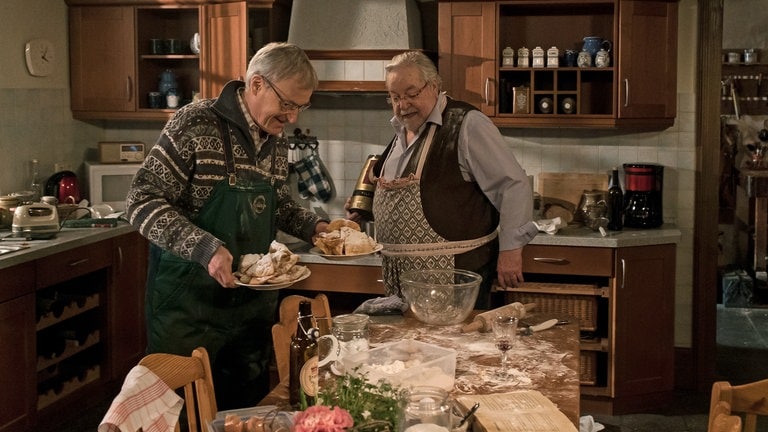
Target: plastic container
407, 364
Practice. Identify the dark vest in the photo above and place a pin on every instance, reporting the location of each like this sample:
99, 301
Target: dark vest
456, 209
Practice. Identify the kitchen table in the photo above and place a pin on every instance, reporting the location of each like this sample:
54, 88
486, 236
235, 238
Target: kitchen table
546, 361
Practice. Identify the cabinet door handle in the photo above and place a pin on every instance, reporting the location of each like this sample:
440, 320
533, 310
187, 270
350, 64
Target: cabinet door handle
119, 259
551, 260
78, 262
487, 88
623, 271
128, 88
626, 92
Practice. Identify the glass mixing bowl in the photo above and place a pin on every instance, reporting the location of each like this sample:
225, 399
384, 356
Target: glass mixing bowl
439, 296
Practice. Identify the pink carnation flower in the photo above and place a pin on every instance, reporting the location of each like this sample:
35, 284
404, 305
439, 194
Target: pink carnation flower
320, 418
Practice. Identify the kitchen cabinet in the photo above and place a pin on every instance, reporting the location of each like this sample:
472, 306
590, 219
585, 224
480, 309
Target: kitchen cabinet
637, 88
624, 300
75, 321
113, 66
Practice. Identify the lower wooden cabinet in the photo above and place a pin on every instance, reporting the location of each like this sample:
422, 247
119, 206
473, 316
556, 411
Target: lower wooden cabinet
75, 322
623, 299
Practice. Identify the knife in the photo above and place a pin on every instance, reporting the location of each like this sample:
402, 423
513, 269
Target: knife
531, 329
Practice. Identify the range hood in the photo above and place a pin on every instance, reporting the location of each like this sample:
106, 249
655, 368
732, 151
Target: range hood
350, 41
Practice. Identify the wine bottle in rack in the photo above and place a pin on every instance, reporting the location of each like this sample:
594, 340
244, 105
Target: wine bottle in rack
50, 345
49, 302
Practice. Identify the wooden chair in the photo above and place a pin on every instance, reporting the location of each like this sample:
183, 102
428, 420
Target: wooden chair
721, 420
285, 328
749, 399
193, 373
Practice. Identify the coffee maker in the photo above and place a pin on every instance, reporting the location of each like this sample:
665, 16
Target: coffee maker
643, 198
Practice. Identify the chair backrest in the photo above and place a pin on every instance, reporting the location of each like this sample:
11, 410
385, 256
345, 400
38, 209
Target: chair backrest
721, 419
285, 328
192, 373
749, 399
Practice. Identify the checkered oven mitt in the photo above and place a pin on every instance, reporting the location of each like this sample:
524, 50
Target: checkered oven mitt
312, 178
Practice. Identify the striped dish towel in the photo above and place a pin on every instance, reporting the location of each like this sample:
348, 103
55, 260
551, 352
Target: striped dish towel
145, 402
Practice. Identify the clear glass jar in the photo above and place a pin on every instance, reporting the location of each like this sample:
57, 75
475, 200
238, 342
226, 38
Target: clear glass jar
427, 406
351, 330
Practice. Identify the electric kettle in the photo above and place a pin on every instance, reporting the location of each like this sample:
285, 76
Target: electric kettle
64, 187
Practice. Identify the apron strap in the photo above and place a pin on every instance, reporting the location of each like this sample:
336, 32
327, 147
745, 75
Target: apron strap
229, 160
441, 248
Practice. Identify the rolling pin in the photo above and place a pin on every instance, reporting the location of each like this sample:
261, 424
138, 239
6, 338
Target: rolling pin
482, 322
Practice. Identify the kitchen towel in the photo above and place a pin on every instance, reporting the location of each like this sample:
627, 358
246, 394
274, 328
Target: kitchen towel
313, 180
145, 402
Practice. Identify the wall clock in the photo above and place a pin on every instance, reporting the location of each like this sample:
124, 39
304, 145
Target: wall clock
40, 56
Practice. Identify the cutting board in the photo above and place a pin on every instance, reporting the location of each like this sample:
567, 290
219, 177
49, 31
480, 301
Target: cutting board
561, 192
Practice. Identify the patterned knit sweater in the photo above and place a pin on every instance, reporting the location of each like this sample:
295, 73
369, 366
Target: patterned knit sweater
181, 169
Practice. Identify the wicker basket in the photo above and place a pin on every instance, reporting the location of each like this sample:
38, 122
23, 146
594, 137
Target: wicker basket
588, 368
583, 307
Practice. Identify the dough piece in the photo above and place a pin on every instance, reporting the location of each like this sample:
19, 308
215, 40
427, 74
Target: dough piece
293, 273
356, 242
263, 267
337, 224
233, 423
248, 260
283, 260
330, 243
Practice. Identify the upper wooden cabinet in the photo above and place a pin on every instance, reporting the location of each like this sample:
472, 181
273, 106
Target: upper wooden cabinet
113, 66
637, 88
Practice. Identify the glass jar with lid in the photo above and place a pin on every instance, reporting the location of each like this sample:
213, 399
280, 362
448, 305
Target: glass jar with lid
351, 330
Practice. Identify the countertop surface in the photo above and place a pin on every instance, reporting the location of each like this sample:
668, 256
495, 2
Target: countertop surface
70, 238
66, 239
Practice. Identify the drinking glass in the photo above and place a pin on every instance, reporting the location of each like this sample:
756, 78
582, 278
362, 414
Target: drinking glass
505, 335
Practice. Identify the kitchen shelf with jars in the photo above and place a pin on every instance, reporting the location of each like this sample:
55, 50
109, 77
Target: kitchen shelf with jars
545, 73
744, 83
627, 80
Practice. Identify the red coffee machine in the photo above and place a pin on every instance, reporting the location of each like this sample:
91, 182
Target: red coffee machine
643, 201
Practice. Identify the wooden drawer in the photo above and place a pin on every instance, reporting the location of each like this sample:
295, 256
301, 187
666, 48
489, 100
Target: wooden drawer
342, 278
17, 281
568, 260
73, 263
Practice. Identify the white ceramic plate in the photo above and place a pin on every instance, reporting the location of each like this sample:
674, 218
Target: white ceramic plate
271, 287
317, 251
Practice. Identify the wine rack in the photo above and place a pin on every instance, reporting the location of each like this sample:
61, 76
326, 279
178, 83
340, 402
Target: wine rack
69, 329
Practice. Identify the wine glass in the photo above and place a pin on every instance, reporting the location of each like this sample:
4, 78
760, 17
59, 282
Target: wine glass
505, 335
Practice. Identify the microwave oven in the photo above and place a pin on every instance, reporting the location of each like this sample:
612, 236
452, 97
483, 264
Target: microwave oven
109, 183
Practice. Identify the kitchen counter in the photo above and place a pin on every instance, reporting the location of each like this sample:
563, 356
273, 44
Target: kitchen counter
66, 239
569, 236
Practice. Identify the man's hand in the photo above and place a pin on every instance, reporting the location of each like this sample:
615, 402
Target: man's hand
321, 227
510, 268
220, 268
353, 216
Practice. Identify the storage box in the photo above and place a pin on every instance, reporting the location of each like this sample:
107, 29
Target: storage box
588, 368
407, 363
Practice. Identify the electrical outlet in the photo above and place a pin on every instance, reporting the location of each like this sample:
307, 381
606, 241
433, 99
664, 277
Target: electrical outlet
62, 166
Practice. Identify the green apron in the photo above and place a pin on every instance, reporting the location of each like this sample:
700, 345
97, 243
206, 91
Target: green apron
187, 308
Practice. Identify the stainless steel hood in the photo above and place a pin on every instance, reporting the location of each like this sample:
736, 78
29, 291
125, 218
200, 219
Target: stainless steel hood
350, 41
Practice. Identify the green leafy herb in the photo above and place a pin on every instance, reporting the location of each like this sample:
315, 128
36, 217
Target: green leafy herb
374, 407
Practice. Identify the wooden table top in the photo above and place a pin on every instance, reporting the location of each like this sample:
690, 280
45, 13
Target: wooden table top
547, 361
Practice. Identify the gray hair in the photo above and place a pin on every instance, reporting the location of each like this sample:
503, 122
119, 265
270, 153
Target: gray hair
419, 60
281, 60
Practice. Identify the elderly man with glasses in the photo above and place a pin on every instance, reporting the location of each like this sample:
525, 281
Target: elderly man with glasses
449, 193
212, 189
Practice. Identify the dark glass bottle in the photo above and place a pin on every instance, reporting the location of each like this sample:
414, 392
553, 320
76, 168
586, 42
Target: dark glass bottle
615, 202
304, 357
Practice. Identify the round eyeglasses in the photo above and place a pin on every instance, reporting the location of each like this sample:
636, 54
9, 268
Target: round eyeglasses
285, 105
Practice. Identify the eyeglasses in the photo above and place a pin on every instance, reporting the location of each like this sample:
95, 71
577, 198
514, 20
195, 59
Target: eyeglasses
285, 105
395, 100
